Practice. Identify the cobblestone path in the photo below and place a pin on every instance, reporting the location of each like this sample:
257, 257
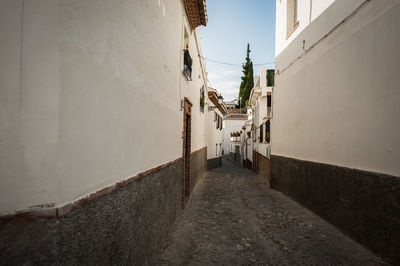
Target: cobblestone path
234, 219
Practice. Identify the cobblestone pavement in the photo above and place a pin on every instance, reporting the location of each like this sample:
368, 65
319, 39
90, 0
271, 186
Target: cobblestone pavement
234, 219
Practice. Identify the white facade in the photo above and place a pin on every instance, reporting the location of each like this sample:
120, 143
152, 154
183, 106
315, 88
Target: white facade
307, 11
231, 104
90, 94
246, 149
214, 134
231, 123
214, 126
337, 85
261, 113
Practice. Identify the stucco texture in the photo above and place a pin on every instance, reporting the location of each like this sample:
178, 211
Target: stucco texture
91, 95
338, 102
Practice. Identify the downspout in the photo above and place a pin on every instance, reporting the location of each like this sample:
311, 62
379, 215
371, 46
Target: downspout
180, 62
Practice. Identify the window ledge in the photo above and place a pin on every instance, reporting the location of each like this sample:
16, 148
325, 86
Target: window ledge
293, 30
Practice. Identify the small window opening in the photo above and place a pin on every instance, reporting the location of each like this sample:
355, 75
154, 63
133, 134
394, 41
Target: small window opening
291, 19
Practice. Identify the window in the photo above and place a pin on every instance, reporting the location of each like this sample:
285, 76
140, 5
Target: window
217, 126
202, 99
216, 149
215, 116
267, 131
269, 101
220, 124
291, 18
187, 60
261, 132
270, 77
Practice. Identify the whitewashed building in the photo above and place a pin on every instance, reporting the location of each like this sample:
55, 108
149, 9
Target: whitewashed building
260, 112
216, 111
231, 123
336, 128
102, 127
230, 104
247, 141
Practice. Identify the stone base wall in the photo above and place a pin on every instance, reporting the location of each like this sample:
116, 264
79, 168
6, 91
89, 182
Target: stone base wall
214, 163
261, 166
128, 226
198, 166
248, 164
364, 205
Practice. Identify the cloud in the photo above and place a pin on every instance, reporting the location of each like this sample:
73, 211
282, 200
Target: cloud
226, 81
228, 88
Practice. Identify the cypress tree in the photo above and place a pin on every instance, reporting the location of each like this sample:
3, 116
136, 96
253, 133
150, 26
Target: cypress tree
244, 78
250, 83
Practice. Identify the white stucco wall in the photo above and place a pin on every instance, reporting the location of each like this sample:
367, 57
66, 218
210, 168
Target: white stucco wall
307, 11
90, 94
230, 125
214, 135
260, 113
338, 103
246, 143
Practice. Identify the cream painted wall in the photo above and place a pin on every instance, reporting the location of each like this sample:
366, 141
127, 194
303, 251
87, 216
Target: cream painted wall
308, 10
214, 135
338, 103
90, 95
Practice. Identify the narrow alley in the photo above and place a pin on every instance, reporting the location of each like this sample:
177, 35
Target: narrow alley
234, 219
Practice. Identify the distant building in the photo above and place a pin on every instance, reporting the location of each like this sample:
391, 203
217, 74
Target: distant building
215, 113
335, 132
258, 127
231, 124
247, 142
235, 146
231, 104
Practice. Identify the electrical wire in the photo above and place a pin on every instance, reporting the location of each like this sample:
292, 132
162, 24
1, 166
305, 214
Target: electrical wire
230, 64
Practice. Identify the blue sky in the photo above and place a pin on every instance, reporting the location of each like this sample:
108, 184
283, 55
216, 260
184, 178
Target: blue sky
231, 25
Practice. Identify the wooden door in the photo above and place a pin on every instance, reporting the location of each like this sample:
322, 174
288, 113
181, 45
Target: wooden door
187, 120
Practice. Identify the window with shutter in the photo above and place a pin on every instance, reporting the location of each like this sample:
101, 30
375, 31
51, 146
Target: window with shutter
267, 131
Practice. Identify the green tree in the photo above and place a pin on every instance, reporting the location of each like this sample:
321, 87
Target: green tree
249, 84
244, 78
247, 79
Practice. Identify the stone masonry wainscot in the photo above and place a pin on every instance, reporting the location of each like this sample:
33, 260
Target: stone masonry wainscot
365, 205
127, 225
